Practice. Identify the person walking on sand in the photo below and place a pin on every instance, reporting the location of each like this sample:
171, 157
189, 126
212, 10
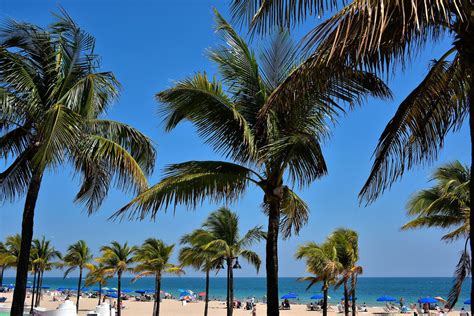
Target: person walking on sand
254, 310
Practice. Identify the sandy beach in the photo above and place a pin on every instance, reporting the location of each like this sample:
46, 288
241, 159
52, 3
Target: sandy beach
174, 307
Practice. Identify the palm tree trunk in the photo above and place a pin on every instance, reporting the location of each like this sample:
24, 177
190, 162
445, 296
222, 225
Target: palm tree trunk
100, 292
119, 298
231, 289
230, 307
26, 237
157, 296
33, 288
353, 290
39, 287
206, 299
325, 299
346, 299
271, 262
79, 289
1, 275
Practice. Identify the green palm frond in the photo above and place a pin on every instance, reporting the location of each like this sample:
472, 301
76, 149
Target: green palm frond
295, 213
417, 131
216, 117
463, 270
252, 257
191, 183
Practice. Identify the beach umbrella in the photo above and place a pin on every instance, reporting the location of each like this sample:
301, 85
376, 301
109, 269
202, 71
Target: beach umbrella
115, 289
112, 295
85, 289
468, 302
202, 294
442, 300
96, 289
126, 290
289, 296
105, 288
111, 291
386, 298
427, 300
140, 291
317, 297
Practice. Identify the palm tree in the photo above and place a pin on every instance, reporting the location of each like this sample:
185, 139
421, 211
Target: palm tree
193, 254
346, 242
9, 251
381, 35
285, 147
78, 256
42, 256
52, 94
117, 259
97, 275
153, 260
323, 262
446, 205
221, 230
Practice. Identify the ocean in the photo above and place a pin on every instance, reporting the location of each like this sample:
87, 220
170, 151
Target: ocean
368, 289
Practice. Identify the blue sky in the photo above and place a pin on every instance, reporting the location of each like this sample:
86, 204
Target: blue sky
148, 44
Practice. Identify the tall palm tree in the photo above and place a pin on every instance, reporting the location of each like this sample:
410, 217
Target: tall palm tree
78, 256
381, 35
446, 205
97, 275
322, 261
285, 148
5, 260
221, 230
346, 242
153, 260
52, 94
43, 255
193, 254
117, 259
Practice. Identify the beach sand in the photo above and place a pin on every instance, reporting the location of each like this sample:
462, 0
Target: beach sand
174, 307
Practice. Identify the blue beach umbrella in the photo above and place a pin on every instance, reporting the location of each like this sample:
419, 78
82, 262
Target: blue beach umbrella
140, 291
386, 298
317, 297
105, 288
85, 289
126, 290
112, 295
111, 291
96, 289
428, 300
289, 296
468, 302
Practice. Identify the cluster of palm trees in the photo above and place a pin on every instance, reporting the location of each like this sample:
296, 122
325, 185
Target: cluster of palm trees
151, 258
333, 262
268, 114
217, 245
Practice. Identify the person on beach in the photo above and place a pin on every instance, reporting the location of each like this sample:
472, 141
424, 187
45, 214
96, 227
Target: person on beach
463, 312
254, 310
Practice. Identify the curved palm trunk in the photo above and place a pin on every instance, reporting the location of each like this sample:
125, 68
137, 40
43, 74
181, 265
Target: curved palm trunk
156, 305
119, 298
79, 289
206, 300
26, 237
346, 299
271, 261
353, 291
33, 288
325, 299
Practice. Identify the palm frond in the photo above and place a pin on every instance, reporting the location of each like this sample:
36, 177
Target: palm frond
463, 270
416, 132
252, 257
190, 183
295, 213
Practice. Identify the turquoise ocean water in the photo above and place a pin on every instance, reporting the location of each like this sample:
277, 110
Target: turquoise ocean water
368, 289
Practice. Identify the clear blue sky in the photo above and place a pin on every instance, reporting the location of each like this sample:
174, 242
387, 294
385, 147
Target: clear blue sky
148, 44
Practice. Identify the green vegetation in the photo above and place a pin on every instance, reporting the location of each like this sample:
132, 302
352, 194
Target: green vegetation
153, 260
446, 205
